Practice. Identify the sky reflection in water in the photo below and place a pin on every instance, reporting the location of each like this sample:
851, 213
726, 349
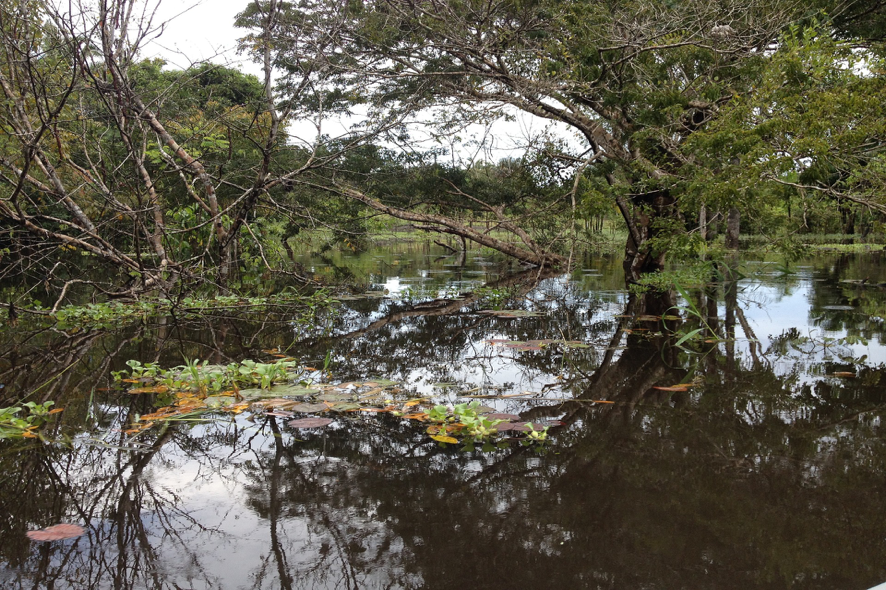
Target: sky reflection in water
765, 474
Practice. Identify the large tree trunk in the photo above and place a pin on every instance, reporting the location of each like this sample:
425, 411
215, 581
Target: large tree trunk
733, 229
640, 214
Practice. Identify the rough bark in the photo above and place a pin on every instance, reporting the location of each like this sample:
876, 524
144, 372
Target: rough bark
640, 215
733, 229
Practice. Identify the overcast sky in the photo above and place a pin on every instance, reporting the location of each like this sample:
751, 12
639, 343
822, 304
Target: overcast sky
203, 30
199, 31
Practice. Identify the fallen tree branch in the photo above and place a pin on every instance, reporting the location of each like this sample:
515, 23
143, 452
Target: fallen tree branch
447, 225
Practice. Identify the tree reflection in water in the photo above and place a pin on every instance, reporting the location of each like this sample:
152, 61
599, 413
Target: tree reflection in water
765, 474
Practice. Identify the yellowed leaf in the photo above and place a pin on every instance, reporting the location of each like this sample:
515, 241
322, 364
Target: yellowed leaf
445, 439
236, 408
158, 415
373, 393
155, 389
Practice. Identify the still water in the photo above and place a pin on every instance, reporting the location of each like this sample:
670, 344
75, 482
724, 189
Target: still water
765, 469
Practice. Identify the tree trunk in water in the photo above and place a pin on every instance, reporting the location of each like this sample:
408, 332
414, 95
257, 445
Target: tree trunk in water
640, 215
644, 362
703, 222
733, 229
848, 218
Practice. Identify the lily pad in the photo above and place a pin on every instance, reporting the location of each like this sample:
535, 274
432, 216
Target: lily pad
502, 416
345, 407
517, 426
277, 391
293, 391
380, 383
310, 422
219, 401
575, 344
526, 347
336, 397
212, 369
277, 403
309, 408
57, 532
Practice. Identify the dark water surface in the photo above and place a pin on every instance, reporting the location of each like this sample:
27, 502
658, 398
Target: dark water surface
768, 472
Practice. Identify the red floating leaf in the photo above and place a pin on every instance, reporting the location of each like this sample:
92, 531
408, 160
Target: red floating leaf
518, 426
310, 423
57, 532
672, 388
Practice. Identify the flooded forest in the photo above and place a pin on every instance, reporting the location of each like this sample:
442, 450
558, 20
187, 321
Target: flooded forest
418, 294
749, 456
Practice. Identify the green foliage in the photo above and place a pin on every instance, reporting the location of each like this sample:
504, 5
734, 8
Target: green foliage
202, 378
468, 422
692, 315
495, 297
313, 310
684, 276
15, 425
465, 421
808, 135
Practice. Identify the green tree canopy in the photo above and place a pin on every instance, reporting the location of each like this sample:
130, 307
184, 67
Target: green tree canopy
634, 79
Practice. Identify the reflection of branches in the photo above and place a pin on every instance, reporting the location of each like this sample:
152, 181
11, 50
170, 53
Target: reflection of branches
274, 507
526, 281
